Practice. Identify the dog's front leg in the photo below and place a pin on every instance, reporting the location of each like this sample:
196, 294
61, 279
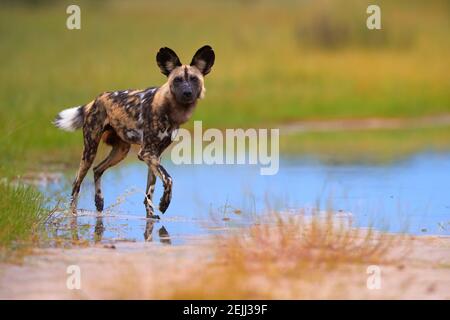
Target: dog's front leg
167, 182
158, 170
148, 201
148, 234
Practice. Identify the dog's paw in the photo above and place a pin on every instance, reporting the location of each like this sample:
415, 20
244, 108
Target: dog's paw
99, 202
165, 200
73, 205
164, 203
152, 215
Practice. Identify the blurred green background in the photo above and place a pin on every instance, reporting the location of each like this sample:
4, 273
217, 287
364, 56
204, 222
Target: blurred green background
277, 62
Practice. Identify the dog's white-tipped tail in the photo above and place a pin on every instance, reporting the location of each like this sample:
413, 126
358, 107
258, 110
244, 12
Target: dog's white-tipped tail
70, 119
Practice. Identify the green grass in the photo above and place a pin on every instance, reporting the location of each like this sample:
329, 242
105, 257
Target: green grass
20, 213
276, 62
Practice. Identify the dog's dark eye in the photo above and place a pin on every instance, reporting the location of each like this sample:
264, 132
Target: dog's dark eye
177, 79
193, 79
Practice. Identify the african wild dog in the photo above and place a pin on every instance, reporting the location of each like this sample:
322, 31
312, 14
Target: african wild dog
143, 117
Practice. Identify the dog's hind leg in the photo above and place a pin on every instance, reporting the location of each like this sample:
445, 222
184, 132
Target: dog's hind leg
118, 152
89, 152
92, 133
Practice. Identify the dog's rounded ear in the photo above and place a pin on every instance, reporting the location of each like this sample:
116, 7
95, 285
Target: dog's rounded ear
167, 60
204, 59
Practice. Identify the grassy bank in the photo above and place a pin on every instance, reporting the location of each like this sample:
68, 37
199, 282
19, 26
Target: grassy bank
20, 213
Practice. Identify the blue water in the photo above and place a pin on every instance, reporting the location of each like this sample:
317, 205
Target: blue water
410, 196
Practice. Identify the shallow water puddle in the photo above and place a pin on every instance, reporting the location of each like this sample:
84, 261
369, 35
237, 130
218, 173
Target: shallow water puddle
90, 227
410, 195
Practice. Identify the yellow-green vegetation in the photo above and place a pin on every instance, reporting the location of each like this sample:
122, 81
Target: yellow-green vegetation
20, 213
277, 61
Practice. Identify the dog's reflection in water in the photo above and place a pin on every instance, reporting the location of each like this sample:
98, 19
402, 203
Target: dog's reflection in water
74, 229
164, 236
99, 230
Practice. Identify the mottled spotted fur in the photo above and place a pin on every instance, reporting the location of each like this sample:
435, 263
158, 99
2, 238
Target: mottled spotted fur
143, 117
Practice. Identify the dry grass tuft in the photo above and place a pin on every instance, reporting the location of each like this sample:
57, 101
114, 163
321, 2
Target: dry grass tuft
283, 260
299, 256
